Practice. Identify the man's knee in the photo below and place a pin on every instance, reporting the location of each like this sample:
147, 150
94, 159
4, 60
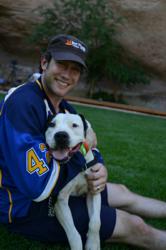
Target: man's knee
131, 228
119, 196
140, 227
141, 233
123, 189
120, 188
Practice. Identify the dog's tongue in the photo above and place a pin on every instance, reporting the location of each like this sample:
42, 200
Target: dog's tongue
64, 154
60, 154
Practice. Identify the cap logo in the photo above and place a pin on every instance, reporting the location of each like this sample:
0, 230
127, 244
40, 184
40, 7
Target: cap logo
76, 45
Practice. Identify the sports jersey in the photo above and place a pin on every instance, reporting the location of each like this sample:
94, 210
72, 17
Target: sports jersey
26, 171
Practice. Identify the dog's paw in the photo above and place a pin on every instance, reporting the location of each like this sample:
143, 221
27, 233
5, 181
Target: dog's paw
92, 243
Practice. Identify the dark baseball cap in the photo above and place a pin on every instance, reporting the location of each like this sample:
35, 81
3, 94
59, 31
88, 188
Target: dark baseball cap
68, 48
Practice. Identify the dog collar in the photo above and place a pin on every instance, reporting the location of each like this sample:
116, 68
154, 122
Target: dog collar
91, 163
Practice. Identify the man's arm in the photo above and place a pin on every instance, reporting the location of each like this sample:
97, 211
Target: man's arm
26, 157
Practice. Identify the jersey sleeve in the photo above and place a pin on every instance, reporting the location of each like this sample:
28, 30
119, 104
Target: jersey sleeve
26, 158
97, 155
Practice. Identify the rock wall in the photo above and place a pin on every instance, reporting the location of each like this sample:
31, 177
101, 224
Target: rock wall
141, 32
17, 19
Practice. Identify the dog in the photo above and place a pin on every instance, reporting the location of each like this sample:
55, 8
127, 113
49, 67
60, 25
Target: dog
65, 135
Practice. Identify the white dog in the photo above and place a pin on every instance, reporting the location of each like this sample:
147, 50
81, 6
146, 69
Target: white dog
64, 136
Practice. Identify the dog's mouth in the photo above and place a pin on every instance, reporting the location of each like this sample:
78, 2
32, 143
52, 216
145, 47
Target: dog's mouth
64, 155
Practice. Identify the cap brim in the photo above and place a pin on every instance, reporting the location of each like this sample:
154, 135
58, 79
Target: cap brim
68, 56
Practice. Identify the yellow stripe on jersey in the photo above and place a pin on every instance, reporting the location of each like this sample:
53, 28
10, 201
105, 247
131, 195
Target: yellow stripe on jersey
11, 206
2, 109
39, 84
10, 199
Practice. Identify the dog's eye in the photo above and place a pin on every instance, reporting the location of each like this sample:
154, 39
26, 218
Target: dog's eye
51, 124
74, 125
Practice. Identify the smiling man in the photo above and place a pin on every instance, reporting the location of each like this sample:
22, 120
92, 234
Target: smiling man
30, 179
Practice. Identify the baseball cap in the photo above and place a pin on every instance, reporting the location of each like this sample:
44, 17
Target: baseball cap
68, 48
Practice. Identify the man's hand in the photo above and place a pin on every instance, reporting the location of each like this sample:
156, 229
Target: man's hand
97, 178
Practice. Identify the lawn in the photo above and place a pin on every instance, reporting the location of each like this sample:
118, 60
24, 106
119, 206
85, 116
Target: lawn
133, 147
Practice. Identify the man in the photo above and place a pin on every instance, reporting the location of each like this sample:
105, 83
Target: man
30, 179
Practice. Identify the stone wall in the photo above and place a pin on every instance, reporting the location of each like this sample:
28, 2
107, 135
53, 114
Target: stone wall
142, 31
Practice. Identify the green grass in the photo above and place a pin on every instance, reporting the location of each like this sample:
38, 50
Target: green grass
133, 147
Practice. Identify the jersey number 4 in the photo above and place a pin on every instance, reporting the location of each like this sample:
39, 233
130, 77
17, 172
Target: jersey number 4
35, 164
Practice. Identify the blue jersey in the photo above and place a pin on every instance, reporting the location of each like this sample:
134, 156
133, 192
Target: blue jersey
27, 173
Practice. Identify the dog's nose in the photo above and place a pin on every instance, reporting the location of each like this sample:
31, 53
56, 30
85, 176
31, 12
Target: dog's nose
61, 139
62, 135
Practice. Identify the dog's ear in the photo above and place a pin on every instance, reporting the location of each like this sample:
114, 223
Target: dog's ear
89, 134
49, 119
91, 138
85, 124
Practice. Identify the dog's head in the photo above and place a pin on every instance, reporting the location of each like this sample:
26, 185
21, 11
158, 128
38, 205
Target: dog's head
66, 133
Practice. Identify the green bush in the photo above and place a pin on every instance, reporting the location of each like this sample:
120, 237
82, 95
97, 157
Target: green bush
94, 22
105, 96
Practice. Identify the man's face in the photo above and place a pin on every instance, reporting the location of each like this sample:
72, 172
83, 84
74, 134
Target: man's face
60, 77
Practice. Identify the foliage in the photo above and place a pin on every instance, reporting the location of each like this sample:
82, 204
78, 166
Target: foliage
105, 96
92, 21
111, 59
95, 23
